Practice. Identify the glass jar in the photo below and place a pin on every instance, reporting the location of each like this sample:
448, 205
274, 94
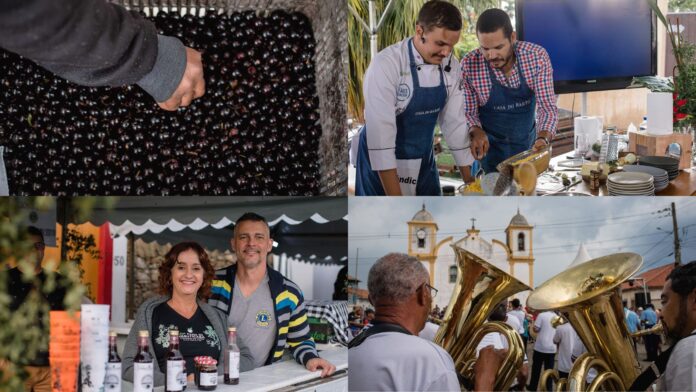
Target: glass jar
205, 375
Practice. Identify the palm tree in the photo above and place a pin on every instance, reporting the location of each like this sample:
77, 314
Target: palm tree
398, 24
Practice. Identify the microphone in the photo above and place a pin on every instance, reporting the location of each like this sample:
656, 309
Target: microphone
447, 67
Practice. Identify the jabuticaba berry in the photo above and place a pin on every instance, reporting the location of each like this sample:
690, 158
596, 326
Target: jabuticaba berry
255, 132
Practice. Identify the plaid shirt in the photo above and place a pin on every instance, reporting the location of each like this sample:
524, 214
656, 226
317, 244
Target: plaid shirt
536, 66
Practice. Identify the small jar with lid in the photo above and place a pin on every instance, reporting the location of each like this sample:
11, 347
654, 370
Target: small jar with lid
206, 369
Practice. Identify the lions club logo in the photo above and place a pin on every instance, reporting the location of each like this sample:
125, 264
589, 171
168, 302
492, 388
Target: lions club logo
263, 318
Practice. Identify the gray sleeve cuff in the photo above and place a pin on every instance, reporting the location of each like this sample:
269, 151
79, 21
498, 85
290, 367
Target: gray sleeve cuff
166, 74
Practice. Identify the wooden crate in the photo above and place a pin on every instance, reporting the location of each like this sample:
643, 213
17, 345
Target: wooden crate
644, 144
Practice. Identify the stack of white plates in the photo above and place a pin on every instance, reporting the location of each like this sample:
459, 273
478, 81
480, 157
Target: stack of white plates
630, 184
660, 176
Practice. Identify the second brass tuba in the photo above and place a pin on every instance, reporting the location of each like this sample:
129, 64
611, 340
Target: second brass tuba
480, 287
588, 295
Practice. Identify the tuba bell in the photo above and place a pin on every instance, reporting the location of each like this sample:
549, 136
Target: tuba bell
480, 287
588, 296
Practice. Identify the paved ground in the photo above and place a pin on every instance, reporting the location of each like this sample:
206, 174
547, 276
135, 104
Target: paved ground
641, 356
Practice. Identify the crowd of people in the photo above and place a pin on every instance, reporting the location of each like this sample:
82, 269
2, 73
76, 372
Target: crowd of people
397, 351
266, 308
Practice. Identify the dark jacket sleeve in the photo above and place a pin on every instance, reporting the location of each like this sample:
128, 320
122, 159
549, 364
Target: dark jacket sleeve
93, 43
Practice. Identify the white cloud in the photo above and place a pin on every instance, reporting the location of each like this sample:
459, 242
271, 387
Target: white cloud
605, 224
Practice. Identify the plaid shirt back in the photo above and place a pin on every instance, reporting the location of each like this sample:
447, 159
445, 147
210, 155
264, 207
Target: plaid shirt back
534, 63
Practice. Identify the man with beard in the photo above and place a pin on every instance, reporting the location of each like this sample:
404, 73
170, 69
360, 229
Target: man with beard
676, 366
409, 88
266, 307
508, 85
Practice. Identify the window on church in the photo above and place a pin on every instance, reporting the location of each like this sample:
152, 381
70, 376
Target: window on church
520, 242
421, 242
453, 274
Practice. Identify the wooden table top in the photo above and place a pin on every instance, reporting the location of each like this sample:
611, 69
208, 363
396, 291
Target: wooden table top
683, 185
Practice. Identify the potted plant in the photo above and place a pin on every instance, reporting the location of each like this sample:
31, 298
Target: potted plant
682, 84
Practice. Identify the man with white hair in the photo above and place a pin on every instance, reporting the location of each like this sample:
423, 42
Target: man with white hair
390, 356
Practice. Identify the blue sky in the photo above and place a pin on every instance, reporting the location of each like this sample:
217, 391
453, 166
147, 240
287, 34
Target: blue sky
605, 224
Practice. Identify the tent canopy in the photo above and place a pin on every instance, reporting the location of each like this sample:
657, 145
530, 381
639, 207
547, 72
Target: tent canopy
313, 229
324, 243
186, 210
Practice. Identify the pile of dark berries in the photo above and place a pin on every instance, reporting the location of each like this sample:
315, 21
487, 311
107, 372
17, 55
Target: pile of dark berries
255, 132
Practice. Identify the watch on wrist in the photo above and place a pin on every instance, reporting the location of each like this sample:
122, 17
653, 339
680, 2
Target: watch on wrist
544, 138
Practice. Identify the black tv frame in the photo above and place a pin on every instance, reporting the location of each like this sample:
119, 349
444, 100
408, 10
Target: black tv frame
586, 85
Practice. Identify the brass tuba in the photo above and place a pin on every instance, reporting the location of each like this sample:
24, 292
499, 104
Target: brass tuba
480, 287
588, 296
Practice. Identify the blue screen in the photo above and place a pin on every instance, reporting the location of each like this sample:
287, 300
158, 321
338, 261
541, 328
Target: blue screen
591, 39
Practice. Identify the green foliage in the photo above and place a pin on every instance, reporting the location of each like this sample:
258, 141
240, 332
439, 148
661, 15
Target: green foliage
79, 245
398, 24
684, 74
682, 5
656, 84
21, 336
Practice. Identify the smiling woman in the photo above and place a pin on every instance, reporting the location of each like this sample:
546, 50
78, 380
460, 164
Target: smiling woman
185, 279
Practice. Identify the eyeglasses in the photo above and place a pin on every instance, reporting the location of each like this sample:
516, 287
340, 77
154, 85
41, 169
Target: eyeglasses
433, 290
39, 245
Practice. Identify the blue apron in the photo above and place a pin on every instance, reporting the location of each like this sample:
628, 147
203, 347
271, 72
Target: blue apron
508, 118
415, 129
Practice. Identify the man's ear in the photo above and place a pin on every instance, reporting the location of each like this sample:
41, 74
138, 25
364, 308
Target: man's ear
419, 30
421, 295
513, 37
691, 298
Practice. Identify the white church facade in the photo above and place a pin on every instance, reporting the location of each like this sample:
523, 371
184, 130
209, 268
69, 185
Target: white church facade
514, 256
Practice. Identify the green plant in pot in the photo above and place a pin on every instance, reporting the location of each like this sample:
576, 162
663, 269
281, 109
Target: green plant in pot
682, 84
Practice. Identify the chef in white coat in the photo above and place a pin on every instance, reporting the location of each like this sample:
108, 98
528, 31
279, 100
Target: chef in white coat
410, 87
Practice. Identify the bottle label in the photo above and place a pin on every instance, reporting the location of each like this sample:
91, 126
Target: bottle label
233, 369
208, 379
176, 377
112, 380
142, 377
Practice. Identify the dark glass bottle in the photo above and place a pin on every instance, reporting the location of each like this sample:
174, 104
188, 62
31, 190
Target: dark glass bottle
143, 380
232, 358
112, 380
175, 375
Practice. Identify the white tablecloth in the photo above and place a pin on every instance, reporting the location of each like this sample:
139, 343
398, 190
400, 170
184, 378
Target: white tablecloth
279, 375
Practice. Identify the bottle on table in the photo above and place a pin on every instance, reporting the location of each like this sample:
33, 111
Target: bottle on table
232, 358
143, 380
112, 380
175, 375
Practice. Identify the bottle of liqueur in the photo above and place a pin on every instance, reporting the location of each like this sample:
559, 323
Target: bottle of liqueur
143, 380
175, 376
112, 380
232, 358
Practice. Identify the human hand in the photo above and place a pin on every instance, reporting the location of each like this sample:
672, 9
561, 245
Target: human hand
540, 143
326, 367
486, 367
192, 85
479, 142
522, 374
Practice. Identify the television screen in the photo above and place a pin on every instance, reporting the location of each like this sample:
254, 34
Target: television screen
593, 44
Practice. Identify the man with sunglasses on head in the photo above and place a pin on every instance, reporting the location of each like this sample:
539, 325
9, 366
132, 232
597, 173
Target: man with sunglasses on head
508, 85
38, 369
410, 87
390, 356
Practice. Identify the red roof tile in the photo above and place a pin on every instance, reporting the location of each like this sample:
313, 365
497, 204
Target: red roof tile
654, 278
